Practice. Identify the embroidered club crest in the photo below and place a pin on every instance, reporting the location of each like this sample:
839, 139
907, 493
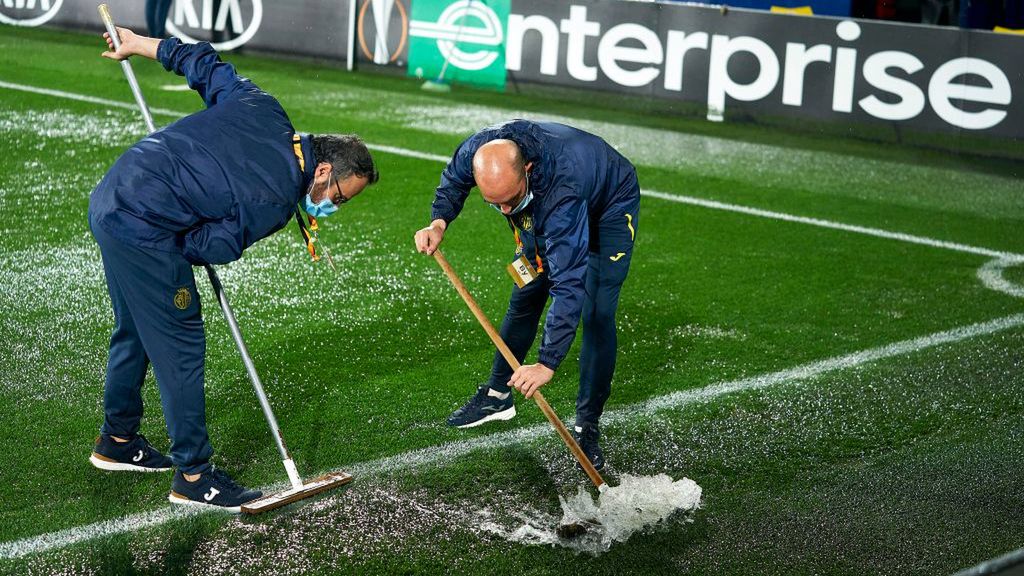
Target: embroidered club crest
182, 298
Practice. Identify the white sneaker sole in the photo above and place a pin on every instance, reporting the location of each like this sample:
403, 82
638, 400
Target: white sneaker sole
109, 465
176, 499
506, 414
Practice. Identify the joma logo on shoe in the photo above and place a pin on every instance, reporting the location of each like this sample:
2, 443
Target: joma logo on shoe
211, 494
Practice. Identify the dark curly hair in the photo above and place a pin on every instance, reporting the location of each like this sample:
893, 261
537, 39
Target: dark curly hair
347, 154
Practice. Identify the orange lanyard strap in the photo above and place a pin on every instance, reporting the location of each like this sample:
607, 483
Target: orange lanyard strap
307, 238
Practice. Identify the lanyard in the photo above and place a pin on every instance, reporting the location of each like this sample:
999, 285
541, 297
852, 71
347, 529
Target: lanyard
519, 245
297, 148
307, 238
310, 235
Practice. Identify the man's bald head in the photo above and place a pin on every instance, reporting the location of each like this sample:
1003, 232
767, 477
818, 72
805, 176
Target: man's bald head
499, 169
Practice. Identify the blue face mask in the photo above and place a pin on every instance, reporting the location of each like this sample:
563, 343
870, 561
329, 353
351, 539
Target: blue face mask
321, 209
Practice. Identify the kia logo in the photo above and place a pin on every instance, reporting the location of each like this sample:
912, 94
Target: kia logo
229, 15
28, 12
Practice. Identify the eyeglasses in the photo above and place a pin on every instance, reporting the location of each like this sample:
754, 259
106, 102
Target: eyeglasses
527, 196
340, 198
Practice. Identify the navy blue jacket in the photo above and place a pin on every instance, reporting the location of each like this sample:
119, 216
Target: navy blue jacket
213, 183
576, 178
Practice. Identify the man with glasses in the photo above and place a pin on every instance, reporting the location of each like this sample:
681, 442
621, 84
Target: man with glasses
199, 191
571, 202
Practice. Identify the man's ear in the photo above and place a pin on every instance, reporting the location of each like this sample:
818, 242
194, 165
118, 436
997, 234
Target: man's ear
528, 166
322, 169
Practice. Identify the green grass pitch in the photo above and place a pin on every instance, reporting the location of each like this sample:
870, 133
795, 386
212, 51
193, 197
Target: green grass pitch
850, 401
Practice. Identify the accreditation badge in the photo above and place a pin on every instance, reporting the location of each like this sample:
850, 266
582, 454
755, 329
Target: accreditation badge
522, 271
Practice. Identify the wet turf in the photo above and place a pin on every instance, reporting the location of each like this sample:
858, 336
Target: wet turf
908, 465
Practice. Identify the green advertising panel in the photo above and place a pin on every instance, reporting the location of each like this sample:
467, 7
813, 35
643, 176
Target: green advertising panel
468, 34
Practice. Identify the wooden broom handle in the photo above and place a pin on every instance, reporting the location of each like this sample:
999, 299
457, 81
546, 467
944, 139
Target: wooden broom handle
594, 475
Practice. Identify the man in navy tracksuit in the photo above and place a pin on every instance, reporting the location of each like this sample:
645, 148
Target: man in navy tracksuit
571, 202
199, 191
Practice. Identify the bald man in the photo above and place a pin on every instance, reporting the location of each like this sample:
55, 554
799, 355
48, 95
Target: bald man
571, 203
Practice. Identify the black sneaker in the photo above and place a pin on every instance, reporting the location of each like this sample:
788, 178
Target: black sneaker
484, 406
587, 436
136, 455
214, 489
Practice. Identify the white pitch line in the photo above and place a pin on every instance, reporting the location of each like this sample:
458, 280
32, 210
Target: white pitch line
448, 453
410, 153
991, 275
802, 372
834, 225
879, 233
84, 98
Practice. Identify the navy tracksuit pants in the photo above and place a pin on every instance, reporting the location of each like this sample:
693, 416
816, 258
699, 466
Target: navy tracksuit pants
158, 321
611, 249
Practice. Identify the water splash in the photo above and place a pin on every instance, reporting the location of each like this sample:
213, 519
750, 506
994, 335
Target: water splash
637, 504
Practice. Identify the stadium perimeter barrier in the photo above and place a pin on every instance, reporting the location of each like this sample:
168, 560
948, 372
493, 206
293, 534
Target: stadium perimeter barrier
1009, 564
939, 86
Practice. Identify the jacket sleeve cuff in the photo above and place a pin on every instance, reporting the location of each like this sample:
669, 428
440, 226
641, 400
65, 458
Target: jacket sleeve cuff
550, 360
164, 50
446, 216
